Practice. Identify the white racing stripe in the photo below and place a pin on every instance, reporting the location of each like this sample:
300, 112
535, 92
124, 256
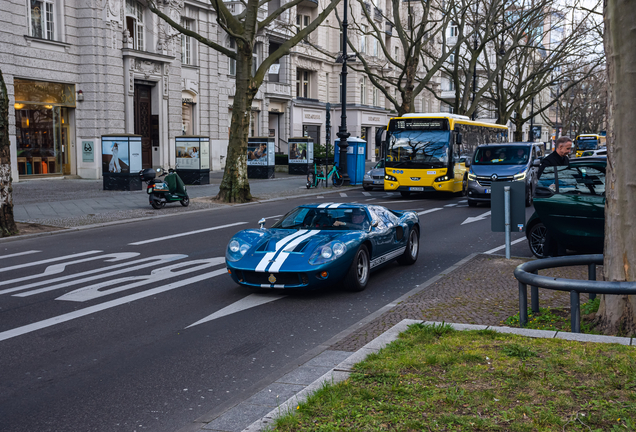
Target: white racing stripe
335, 205
280, 259
269, 256
185, 234
324, 205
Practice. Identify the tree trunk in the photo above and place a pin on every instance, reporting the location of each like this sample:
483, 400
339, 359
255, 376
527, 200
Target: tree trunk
7, 224
235, 185
518, 133
617, 314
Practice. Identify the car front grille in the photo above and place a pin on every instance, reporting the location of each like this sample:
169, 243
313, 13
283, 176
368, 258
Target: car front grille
378, 177
259, 278
487, 181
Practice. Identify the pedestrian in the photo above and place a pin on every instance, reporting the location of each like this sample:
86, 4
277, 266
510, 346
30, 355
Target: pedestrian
559, 157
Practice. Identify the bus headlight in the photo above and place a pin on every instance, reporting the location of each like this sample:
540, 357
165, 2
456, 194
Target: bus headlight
520, 176
389, 178
442, 178
472, 177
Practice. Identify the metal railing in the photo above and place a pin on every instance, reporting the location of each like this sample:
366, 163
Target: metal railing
527, 274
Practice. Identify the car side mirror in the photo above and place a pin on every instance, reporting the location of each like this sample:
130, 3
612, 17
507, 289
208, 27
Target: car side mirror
261, 223
373, 225
536, 163
459, 138
467, 162
543, 192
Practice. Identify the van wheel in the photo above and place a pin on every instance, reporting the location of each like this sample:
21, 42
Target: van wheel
462, 193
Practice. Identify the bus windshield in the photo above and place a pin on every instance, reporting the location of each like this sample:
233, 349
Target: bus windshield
585, 143
418, 149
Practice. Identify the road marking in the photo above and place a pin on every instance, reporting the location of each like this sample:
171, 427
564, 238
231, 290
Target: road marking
185, 234
450, 205
462, 201
429, 211
19, 331
476, 218
319, 196
504, 246
59, 268
248, 302
62, 258
366, 193
149, 262
92, 292
20, 254
343, 195
370, 199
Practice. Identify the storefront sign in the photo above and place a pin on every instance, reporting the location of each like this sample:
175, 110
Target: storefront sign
88, 151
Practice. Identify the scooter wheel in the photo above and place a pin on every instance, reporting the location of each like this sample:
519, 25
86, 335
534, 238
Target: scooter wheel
157, 204
185, 202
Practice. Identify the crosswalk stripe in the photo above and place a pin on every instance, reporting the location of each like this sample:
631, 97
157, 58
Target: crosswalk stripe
342, 194
366, 193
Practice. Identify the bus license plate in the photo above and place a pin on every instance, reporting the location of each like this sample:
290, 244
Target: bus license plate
487, 191
416, 189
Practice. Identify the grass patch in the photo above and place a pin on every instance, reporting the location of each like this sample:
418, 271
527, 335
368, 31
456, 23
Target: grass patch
434, 378
557, 318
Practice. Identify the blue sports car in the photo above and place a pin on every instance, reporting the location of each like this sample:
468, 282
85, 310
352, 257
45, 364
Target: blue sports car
315, 245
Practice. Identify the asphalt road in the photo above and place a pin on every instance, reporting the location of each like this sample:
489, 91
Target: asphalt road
138, 327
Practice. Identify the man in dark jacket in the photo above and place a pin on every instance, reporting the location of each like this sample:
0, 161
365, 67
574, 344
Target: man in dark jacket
559, 157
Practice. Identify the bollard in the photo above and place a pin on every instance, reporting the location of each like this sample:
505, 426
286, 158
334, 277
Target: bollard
575, 312
523, 305
507, 218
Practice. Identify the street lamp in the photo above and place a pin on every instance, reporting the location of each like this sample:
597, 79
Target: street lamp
342, 130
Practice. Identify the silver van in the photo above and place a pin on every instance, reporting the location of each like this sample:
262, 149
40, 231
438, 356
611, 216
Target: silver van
502, 162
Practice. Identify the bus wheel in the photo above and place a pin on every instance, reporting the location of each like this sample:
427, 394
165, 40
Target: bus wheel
405, 194
462, 193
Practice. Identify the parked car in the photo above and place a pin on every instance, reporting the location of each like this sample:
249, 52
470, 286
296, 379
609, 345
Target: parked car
318, 245
374, 178
599, 152
569, 205
502, 162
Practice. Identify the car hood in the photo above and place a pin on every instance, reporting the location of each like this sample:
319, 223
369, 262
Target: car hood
500, 170
302, 241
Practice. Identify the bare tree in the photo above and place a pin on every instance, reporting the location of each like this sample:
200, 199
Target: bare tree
617, 314
244, 27
7, 223
406, 37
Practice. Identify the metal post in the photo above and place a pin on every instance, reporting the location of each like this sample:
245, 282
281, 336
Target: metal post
591, 275
531, 134
575, 312
523, 305
342, 131
327, 135
534, 297
507, 218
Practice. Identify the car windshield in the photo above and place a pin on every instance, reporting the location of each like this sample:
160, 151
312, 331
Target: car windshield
379, 165
501, 155
586, 143
418, 149
325, 219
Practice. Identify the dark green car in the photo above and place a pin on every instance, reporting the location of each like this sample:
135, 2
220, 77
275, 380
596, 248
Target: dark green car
569, 205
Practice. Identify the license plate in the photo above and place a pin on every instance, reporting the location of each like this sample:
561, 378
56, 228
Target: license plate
416, 189
149, 190
486, 190
378, 181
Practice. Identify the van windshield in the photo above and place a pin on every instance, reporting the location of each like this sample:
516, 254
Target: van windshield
501, 155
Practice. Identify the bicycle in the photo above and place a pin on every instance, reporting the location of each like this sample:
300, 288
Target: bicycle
316, 177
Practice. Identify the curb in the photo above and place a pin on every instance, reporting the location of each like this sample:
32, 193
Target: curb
343, 370
125, 221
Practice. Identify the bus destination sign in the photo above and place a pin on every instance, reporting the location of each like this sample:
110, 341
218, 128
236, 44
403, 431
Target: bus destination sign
418, 124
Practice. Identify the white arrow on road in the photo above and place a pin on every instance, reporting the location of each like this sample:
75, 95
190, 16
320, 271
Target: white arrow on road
476, 218
248, 302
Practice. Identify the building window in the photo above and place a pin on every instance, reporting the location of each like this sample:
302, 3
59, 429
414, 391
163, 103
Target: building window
454, 30
232, 46
363, 91
254, 124
376, 97
376, 49
302, 83
255, 59
42, 19
186, 43
363, 40
135, 23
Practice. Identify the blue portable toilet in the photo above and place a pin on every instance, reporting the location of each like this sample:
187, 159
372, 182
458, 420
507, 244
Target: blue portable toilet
356, 156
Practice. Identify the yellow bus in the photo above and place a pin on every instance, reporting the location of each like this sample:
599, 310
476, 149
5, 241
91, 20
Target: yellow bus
427, 152
585, 142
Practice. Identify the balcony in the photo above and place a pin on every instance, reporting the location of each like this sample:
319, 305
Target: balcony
377, 14
309, 3
389, 28
276, 89
447, 94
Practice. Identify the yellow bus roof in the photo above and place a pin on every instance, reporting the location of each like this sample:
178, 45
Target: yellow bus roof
452, 119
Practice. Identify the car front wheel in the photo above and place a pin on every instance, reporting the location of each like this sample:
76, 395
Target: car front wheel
358, 275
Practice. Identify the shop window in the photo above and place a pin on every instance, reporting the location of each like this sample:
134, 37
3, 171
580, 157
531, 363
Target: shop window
187, 53
302, 83
42, 17
135, 23
232, 67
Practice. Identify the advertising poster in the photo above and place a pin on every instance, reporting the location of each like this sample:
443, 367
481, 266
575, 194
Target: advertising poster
115, 155
135, 155
298, 153
257, 153
205, 153
188, 156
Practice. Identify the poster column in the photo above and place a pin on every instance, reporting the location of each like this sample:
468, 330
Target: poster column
261, 162
121, 162
301, 155
193, 159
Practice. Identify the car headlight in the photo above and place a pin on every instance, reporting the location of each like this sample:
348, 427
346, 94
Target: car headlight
367, 175
236, 249
442, 178
389, 178
472, 177
520, 176
328, 252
